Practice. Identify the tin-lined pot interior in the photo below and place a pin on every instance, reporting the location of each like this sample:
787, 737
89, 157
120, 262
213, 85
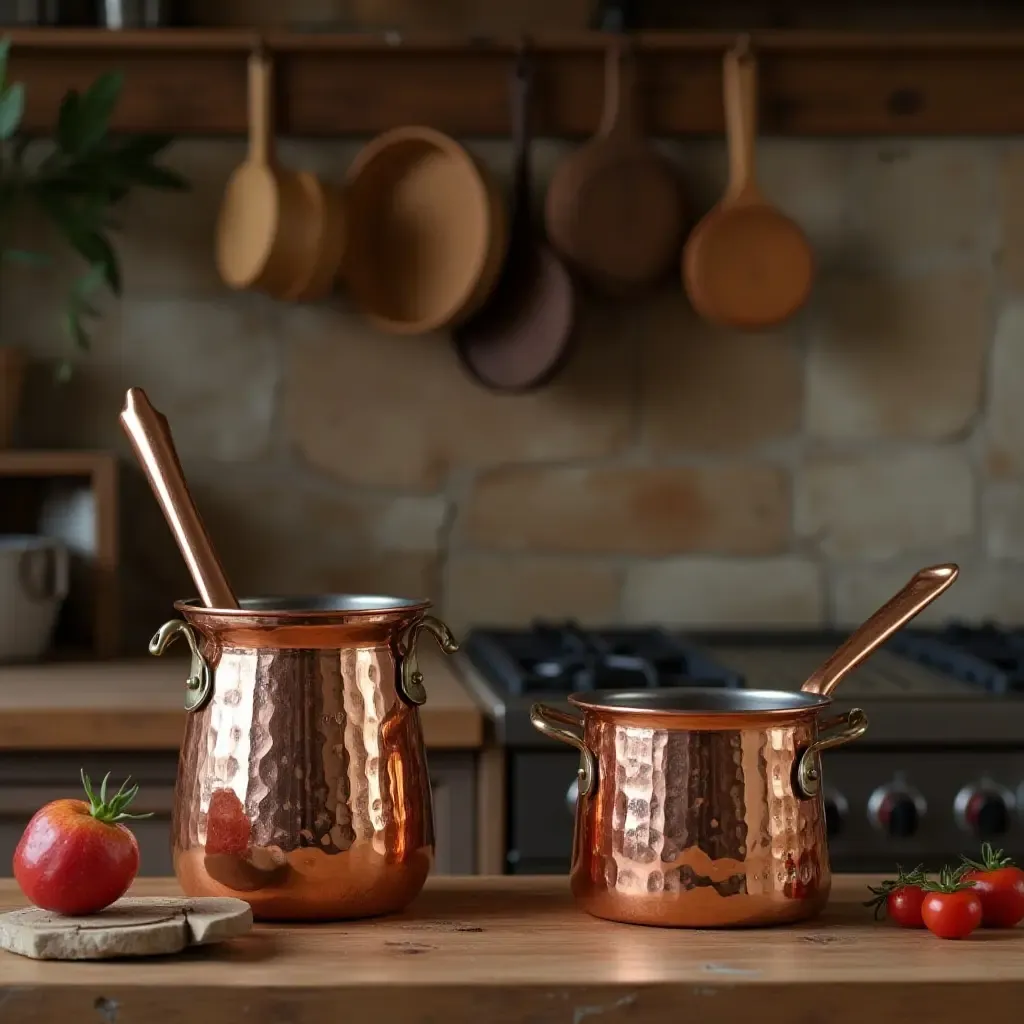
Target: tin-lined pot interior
322, 603
700, 700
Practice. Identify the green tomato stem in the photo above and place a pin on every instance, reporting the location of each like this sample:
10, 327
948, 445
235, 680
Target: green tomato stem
114, 810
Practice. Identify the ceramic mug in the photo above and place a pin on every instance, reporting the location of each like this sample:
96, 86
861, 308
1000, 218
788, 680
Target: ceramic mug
33, 585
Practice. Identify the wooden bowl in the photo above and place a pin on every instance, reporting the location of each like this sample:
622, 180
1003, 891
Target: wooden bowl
427, 231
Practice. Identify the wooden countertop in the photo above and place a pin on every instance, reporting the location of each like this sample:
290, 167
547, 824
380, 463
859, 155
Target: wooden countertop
507, 950
137, 705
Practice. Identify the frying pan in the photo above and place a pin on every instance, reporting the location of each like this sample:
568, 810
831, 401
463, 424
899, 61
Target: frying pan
428, 231
746, 265
267, 226
614, 209
521, 337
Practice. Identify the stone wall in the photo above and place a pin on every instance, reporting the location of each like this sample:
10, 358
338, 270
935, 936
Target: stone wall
675, 473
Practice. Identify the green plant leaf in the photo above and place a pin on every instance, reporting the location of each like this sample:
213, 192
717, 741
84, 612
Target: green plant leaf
5, 52
143, 148
152, 176
67, 123
95, 106
12, 108
26, 258
79, 227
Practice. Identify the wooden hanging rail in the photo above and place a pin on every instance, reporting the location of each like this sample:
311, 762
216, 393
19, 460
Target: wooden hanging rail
192, 82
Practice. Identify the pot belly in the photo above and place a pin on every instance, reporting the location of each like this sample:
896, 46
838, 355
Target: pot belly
699, 829
303, 787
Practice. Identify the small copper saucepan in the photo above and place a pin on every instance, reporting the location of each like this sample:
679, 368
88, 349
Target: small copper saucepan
702, 808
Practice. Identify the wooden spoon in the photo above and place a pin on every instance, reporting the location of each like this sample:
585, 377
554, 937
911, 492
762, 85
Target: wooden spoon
268, 228
150, 436
746, 265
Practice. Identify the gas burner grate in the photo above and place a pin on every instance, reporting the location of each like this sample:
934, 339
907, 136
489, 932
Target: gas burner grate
986, 656
548, 658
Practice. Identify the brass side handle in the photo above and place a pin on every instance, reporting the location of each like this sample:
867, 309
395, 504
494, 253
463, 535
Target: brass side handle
410, 679
199, 685
551, 723
808, 769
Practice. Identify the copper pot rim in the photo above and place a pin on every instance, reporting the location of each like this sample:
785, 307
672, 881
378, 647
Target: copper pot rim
315, 609
686, 706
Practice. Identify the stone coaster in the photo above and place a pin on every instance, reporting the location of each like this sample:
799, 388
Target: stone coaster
133, 926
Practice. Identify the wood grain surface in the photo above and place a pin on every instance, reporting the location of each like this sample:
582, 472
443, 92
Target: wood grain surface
506, 949
138, 705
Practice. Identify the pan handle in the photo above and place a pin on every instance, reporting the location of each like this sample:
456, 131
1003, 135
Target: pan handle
544, 720
923, 588
808, 768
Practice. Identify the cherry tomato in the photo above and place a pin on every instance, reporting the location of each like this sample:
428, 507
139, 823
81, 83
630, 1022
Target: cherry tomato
901, 899
903, 906
951, 908
999, 884
75, 857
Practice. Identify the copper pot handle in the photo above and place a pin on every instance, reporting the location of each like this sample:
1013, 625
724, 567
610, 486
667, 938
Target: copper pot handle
199, 685
410, 679
808, 769
544, 719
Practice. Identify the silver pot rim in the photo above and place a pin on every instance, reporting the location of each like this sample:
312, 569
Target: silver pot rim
686, 701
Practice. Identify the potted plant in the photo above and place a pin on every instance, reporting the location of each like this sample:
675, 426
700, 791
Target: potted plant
75, 180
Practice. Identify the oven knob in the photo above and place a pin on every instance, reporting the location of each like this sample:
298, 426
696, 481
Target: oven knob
572, 795
836, 810
984, 809
897, 810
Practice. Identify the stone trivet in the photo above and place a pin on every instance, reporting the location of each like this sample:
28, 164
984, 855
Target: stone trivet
133, 926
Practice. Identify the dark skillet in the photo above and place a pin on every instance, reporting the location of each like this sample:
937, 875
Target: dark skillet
521, 337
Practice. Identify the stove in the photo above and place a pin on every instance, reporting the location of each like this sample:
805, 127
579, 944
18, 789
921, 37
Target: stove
940, 770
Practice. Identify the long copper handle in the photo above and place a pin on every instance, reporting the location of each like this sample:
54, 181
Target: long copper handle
924, 588
150, 436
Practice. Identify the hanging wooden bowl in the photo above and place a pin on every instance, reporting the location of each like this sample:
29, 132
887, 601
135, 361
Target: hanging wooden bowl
427, 231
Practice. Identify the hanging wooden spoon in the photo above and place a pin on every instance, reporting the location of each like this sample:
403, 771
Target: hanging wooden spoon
746, 265
150, 436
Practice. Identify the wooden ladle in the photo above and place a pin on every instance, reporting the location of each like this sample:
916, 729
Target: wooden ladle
746, 264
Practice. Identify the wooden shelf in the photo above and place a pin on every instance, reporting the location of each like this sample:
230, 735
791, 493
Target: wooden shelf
91, 614
192, 82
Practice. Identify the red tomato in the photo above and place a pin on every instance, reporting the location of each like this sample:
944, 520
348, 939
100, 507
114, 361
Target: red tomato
901, 899
999, 884
903, 906
75, 857
951, 915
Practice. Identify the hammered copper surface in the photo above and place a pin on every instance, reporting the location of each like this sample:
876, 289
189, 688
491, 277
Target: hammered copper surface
302, 786
699, 828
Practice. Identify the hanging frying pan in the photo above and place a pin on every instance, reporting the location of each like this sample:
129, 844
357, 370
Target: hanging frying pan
614, 209
746, 265
521, 337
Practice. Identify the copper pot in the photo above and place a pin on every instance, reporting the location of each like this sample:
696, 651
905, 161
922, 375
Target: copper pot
302, 783
702, 808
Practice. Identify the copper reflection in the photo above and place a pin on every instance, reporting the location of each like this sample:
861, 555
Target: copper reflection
327, 810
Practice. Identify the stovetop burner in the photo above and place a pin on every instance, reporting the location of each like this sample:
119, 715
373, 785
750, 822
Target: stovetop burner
567, 658
987, 656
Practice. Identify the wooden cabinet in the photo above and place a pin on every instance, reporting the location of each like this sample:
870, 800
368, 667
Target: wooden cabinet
29, 780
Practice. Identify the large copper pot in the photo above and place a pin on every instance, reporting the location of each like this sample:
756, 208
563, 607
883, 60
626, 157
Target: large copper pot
702, 808
302, 785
